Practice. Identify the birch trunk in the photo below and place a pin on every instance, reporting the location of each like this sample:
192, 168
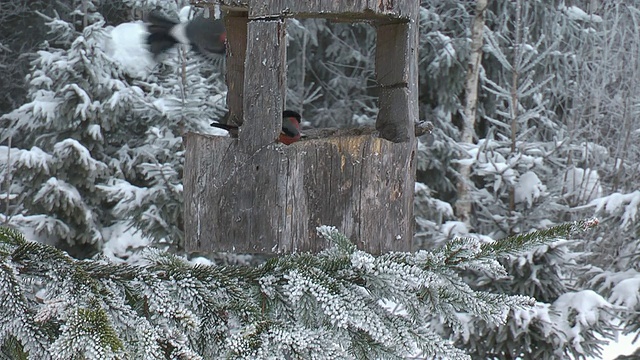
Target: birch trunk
463, 204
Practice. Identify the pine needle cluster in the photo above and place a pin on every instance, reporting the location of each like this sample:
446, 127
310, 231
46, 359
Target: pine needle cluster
342, 303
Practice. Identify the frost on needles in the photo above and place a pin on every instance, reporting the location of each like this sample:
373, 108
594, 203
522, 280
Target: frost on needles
342, 303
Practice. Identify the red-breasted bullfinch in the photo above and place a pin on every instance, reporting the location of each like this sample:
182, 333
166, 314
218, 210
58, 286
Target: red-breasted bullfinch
290, 127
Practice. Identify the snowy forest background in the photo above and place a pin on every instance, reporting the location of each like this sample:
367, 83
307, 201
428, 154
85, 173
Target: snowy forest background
91, 156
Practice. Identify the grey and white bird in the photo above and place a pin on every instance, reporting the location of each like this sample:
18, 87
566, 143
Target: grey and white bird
205, 34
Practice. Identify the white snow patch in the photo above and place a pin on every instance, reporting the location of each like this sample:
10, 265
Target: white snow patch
455, 228
626, 293
41, 228
185, 14
60, 193
587, 306
122, 243
418, 187
615, 202
31, 159
539, 312
72, 150
623, 346
443, 207
529, 188
575, 13
95, 131
586, 303
44, 105
393, 307
128, 49
201, 261
583, 184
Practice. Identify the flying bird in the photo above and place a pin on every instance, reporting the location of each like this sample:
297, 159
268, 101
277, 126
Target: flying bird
290, 127
206, 35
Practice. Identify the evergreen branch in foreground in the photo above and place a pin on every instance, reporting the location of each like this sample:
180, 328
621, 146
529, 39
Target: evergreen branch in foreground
335, 304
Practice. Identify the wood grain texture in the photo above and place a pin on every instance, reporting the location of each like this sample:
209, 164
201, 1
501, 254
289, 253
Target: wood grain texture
264, 84
397, 76
352, 9
253, 195
421, 128
236, 26
392, 54
273, 200
395, 121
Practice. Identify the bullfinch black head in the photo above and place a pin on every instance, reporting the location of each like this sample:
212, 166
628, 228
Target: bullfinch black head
290, 127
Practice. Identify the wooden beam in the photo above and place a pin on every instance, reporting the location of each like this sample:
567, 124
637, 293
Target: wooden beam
273, 200
236, 26
264, 84
420, 129
395, 122
397, 76
341, 9
392, 55
351, 10
226, 5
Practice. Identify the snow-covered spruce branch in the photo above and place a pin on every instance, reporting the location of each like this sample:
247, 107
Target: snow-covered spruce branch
340, 304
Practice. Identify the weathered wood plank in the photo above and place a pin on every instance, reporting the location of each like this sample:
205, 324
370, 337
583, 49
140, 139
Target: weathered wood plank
395, 121
273, 200
392, 54
397, 76
421, 128
352, 9
236, 26
412, 62
227, 5
264, 84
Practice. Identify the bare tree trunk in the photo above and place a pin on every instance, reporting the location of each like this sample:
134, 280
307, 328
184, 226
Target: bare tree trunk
7, 182
514, 93
463, 204
85, 9
303, 67
182, 53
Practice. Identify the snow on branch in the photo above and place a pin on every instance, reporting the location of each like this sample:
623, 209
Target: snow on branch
333, 305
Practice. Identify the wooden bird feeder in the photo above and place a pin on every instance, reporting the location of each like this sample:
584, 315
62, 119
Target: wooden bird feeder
250, 194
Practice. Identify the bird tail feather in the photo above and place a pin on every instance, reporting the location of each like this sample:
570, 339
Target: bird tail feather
160, 37
224, 126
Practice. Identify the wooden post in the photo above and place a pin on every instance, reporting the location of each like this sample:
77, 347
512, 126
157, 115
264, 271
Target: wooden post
236, 27
264, 84
397, 75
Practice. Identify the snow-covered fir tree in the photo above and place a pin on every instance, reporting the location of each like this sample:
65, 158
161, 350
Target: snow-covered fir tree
185, 93
77, 96
340, 304
606, 179
103, 139
521, 175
